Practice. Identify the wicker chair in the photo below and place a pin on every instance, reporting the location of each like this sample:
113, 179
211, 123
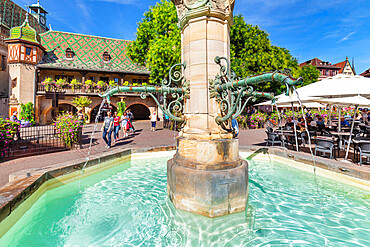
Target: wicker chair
324, 146
273, 138
364, 148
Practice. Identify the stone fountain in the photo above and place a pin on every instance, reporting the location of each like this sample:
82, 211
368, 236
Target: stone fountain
206, 175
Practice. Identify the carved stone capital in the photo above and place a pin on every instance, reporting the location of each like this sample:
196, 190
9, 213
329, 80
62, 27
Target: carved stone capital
188, 9
13, 101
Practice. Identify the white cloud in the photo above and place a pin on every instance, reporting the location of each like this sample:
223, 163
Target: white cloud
347, 37
84, 9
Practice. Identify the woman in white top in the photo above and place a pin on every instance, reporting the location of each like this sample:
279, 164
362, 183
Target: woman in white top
124, 120
153, 120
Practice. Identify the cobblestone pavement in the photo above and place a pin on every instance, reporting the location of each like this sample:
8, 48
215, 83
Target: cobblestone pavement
142, 138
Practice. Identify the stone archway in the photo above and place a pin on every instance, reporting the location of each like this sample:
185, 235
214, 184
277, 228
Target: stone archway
65, 107
95, 110
140, 111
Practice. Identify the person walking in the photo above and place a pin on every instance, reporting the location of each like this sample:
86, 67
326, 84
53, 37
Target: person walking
131, 117
107, 129
116, 122
153, 120
124, 123
14, 118
166, 121
235, 126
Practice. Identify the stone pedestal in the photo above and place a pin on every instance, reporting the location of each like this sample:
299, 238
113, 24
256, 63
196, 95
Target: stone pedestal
208, 177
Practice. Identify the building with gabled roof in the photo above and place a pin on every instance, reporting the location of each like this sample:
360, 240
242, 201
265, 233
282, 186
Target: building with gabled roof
87, 53
327, 69
78, 61
366, 73
12, 15
346, 68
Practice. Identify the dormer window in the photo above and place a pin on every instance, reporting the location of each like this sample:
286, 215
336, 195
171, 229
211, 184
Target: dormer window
69, 53
106, 57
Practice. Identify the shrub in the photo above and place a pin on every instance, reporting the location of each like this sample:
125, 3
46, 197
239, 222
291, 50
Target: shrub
257, 118
7, 131
67, 127
121, 108
27, 112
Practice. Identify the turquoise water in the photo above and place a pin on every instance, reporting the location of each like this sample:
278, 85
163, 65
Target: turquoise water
129, 207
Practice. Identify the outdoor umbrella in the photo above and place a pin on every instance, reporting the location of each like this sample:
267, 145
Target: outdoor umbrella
356, 101
331, 87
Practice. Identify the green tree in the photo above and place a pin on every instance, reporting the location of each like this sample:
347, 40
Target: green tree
158, 41
252, 53
309, 73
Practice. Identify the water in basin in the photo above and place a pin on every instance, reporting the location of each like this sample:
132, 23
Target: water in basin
129, 207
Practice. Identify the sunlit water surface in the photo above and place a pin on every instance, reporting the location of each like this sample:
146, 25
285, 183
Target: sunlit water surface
129, 207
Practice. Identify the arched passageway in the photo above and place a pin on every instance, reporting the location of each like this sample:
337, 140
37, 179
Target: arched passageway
105, 109
67, 108
140, 111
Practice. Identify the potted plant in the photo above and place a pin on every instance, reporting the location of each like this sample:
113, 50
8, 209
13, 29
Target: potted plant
101, 85
112, 84
75, 84
60, 83
81, 103
48, 83
89, 85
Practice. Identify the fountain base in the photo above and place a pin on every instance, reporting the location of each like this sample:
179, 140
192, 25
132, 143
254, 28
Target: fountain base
208, 177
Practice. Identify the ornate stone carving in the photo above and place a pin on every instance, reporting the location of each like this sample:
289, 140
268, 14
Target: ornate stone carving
186, 9
13, 100
193, 4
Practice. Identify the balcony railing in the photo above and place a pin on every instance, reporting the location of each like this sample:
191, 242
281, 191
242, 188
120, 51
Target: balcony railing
79, 90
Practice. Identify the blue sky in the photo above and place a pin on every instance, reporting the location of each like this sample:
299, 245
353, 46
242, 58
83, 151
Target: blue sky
327, 29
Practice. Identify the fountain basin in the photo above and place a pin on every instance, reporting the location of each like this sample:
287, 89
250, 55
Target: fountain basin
127, 205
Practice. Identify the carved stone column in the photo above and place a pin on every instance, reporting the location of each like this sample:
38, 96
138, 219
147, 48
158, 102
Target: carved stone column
205, 34
206, 175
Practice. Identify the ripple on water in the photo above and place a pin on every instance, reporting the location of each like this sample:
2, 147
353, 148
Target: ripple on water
287, 207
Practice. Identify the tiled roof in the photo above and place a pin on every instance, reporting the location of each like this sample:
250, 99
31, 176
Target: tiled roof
319, 64
25, 32
366, 73
88, 53
341, 66
12, 15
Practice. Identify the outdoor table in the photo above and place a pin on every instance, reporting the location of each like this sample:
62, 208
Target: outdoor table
287, 133
340, 136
